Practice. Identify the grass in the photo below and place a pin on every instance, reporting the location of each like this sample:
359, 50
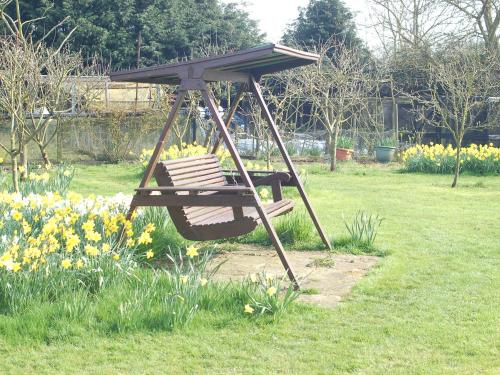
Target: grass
431, 307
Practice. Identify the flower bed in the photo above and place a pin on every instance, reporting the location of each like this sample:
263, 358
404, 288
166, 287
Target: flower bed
483, 159
79, 258
43, 232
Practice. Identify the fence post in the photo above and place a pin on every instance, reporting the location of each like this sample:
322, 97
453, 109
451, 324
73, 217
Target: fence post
158, 96
73, 98
106, 93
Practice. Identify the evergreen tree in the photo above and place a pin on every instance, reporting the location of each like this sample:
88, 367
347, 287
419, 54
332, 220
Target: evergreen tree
321, 21
167, 29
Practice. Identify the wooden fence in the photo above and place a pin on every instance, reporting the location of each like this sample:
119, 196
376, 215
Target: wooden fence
106, 95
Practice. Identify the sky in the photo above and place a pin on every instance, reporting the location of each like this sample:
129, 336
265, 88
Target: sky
274, 16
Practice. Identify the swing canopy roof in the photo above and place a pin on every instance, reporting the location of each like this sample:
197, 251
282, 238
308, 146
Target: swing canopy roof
237, 66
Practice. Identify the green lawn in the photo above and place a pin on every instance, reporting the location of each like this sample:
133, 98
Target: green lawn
431, 307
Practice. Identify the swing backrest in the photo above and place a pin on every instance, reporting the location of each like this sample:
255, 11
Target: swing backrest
197, 171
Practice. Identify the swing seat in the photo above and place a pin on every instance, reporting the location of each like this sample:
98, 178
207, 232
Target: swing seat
203, 205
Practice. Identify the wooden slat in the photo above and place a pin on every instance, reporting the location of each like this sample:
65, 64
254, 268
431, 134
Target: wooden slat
272, 210
191, 161
191, 167
215, 213
202, 180
195, 212
203, 172
188, 159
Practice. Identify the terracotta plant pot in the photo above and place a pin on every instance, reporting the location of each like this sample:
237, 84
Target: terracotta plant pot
344, 154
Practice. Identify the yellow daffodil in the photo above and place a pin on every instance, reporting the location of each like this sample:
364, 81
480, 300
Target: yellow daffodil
144, 239
16, 267
248, 309
26, 227
88, 225
93, 236
264, 193
183, 279
192, 251
72, 241
271, 291
149, 254
149, 228
91, 250
66, 264
16, 215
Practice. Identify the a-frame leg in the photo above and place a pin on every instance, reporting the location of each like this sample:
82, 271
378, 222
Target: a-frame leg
255, 87
208, 97
230, 115
159, 146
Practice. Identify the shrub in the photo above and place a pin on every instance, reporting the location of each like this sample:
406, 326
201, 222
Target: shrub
291, 148
314, 151
345, 142
386, 142
483, 159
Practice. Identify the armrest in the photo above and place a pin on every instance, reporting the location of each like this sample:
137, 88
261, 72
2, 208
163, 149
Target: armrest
216, 188
270, 179
260, 178
250, 171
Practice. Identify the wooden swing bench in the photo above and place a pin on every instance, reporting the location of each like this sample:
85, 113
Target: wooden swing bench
203, 205
204, 201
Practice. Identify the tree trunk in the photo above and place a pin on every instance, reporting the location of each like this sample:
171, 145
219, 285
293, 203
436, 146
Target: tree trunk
45, 156
13, 162
457, 165
257, 143
59, 142
333, 150
268, 154
23, 156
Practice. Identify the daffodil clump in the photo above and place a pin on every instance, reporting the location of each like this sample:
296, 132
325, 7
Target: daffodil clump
436, 158
187, 150
40, 233
266, 295
41, 179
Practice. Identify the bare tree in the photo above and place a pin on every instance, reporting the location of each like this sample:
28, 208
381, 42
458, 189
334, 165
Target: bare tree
336, 88
12, 98
485, 16
461, 80
412, 24
22, 62
51, 96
